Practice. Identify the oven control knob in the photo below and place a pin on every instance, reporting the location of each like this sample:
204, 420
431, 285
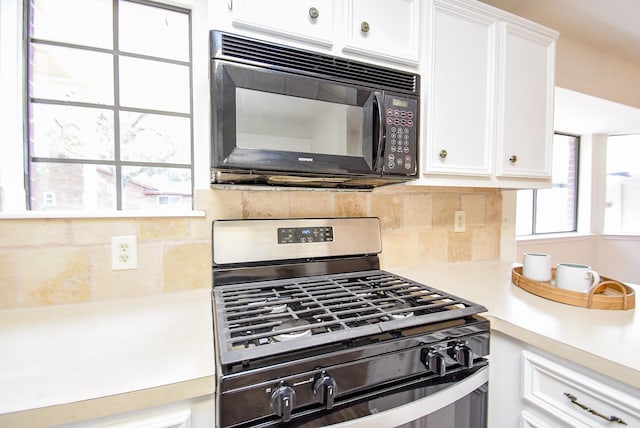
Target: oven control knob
434, 361
324, 390
282, 401
463, 355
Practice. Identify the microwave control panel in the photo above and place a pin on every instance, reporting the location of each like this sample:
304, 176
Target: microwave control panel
401, 118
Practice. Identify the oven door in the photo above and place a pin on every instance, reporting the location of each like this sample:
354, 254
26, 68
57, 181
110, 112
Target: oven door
272, 121
456, 402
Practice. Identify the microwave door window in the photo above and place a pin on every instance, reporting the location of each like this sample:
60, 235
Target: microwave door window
284, 123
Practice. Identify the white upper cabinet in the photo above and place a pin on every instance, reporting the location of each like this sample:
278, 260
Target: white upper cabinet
488, 98
387, 29
305, 20
379, 31
459, 98
525, 120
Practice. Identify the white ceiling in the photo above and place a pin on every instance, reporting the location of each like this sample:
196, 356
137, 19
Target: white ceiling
577, 113
612, 25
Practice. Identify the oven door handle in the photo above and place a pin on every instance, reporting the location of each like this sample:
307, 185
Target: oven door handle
422, 407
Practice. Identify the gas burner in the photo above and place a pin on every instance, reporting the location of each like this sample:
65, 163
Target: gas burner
400, 306
303, 330
270, 304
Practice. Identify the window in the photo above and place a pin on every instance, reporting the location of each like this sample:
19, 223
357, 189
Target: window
552, 210
622, 209
108, 105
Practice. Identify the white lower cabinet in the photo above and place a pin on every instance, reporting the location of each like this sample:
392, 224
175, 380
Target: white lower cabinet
531, 388
574, 397
195, 413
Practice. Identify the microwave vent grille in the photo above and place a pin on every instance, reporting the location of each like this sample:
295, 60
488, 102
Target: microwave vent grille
316, 64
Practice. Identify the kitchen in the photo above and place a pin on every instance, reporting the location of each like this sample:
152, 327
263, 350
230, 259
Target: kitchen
61, 261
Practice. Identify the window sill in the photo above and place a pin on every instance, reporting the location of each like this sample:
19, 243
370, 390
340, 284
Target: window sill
551, 237
621, 236
42, 215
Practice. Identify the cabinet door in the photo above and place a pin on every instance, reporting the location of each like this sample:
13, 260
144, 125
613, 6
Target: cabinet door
305, 20
387, 29
461, 94
525, 104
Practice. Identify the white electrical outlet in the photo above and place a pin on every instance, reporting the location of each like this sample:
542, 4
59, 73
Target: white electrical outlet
459, 221
124, 252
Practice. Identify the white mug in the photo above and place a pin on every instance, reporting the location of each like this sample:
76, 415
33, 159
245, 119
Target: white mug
536, 266
576, 277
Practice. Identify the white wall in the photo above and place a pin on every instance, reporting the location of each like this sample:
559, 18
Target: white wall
618, 257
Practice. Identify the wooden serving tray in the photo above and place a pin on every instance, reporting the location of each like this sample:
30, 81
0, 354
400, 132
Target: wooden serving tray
609, 294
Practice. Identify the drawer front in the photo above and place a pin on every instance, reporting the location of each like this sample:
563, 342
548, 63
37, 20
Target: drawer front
575, 397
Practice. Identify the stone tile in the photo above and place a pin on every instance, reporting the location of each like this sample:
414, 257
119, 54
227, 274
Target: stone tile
266, 204
187, 267
312, 204
33, 232
432, 247
200, 228
444, 207
220, 203
351, 204
418, 210
398, 250
485, 244
474, 206
459, 246
160, 229
8, 281
100, 231
55, 276
388, 208
494, 209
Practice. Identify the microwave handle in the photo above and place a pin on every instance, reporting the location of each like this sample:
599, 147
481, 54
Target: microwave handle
382, 132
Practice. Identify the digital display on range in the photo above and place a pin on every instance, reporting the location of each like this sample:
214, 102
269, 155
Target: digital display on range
303, 235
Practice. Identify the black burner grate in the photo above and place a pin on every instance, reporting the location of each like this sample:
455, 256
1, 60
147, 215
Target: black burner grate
259, 319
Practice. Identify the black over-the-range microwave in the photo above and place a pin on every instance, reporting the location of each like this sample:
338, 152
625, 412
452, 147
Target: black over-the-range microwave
287, 116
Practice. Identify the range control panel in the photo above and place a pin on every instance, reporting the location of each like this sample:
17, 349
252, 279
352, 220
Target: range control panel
298, 235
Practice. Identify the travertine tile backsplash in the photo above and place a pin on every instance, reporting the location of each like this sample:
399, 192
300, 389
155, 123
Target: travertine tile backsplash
61, 261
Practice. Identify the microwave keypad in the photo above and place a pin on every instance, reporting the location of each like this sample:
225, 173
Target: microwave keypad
399, 133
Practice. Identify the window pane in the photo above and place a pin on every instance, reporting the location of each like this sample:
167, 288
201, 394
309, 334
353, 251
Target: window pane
67, 74
154, 85
83, 22
154, 31
556, 207
155, 138
71, 132
622, 211
63, 186
144, 187
524, 212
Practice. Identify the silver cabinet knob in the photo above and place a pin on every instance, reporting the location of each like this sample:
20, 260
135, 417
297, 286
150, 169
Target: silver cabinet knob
313, 12
513, 159
443, 154
364, 27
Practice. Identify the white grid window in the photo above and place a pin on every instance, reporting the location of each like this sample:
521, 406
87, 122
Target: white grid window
108, 105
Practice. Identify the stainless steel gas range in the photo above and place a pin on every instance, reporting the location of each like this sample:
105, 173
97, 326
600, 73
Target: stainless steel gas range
310, 332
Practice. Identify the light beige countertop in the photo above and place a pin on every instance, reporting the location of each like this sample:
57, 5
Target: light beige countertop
607, 341
68, 363
58, 362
